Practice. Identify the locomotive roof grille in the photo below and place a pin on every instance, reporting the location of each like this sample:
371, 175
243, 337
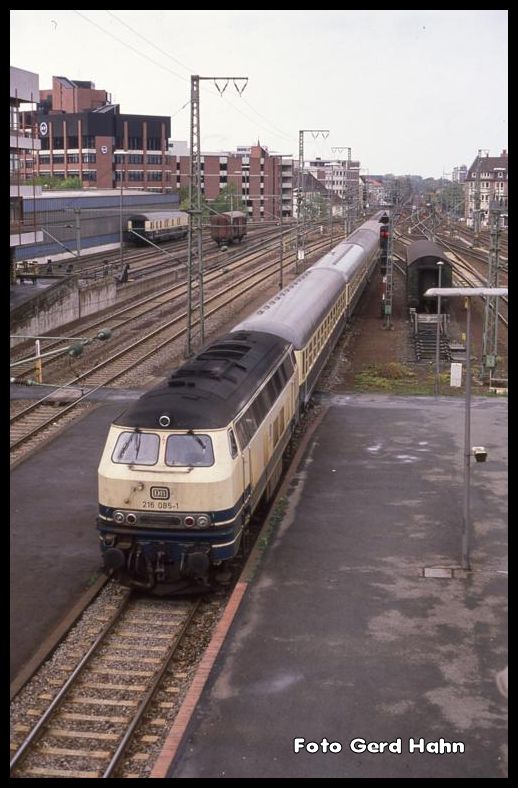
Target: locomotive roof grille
208, 391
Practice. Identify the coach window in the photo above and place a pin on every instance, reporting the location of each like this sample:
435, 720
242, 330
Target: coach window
139, 448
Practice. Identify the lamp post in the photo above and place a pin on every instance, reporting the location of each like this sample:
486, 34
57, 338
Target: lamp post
468, 293
440, 264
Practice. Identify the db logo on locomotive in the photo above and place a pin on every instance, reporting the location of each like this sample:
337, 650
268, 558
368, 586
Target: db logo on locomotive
159, 493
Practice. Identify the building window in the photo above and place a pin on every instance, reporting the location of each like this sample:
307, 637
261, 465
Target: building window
135, 158
14, 117
88, 141
73, 158
154, 175
135, 143
135, 175
154, 159
89, 175
58, 143
89, 158
58, 159
73, 142
15, 164
16, 210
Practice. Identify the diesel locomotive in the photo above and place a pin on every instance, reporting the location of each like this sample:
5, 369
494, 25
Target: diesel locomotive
186, 465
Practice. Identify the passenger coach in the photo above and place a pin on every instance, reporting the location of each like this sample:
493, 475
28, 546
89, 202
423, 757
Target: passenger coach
157, 226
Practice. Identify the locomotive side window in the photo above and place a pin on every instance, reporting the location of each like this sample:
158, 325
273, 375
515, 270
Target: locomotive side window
193, 450
249, 422
140, 448
232, 443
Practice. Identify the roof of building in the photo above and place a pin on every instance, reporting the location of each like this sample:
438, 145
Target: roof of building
489, 163
93, 193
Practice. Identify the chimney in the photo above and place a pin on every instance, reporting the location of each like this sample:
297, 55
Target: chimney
504, 153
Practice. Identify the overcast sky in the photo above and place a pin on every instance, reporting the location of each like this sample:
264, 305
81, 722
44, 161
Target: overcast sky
408, 91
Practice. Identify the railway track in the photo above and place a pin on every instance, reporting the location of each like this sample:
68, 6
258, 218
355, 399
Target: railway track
92, 716
41, 415
135, 307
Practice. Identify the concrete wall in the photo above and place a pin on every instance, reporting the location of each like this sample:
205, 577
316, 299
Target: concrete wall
150, 284
61, 303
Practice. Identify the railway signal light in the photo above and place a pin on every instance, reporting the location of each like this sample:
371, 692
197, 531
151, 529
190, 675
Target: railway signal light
384, 237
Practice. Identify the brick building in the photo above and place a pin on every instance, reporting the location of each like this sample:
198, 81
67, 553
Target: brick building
83, 135
258, 179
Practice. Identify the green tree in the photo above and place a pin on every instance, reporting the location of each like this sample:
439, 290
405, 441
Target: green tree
51, 182
184, 198
227, 199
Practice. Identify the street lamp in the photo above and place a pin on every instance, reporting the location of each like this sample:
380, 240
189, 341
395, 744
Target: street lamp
440, 264
468, 293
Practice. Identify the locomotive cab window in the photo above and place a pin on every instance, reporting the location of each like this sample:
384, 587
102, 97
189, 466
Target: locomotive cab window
190, 450
139, 448
232, 444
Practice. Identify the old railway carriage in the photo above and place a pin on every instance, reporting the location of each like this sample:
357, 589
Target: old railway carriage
157, 226
185, 466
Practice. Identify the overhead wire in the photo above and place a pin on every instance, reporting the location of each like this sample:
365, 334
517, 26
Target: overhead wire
235, 107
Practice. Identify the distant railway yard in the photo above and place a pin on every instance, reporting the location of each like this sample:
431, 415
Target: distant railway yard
148, 332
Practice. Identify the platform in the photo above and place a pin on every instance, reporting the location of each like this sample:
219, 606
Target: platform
350, 632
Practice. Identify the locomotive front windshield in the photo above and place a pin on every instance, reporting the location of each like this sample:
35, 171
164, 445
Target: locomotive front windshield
191, 450
143, 448
140, 448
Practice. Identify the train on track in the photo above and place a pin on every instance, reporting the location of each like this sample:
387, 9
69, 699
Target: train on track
422, 269
185, 467
157, 226
225, 228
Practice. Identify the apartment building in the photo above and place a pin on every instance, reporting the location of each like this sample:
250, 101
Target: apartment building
24, 94
487, 183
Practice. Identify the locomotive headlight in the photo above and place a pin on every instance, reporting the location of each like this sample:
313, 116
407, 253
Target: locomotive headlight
203, 521
131, 518
118, 517
189, 521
